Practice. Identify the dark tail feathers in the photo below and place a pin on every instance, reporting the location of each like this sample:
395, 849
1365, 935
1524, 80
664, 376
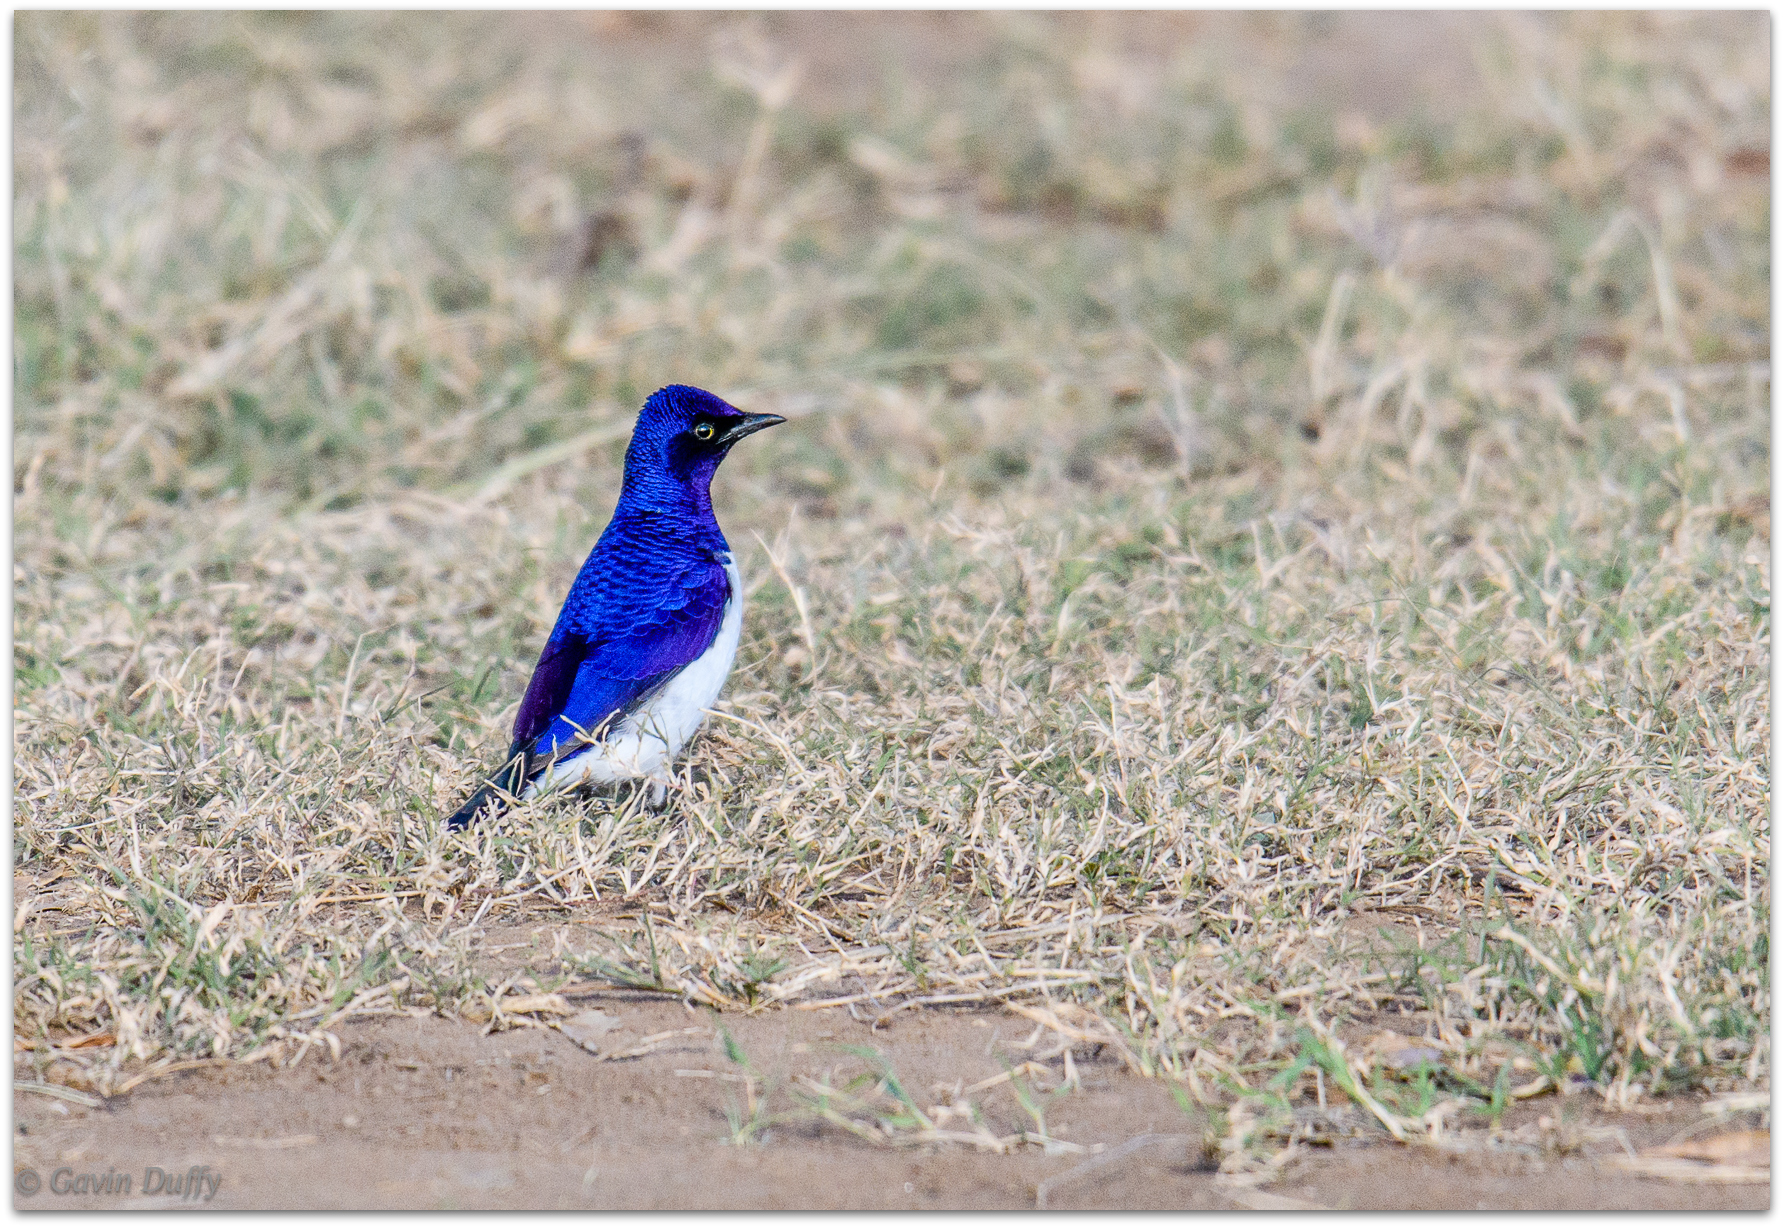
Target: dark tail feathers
494, 796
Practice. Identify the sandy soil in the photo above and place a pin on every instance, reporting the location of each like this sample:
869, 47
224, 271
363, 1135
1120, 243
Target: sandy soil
429, 1113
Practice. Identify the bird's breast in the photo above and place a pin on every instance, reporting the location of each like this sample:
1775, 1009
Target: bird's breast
679, 707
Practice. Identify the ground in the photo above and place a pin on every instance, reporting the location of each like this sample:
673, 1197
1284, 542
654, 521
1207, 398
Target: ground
426, 1113
1258, 620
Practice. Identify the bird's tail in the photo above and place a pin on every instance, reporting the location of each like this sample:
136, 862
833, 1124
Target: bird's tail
494, 796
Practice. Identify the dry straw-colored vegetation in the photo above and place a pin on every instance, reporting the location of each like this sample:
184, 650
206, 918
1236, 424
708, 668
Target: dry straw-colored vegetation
1241, 572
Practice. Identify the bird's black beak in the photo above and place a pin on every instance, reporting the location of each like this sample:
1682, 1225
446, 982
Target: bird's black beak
749, 424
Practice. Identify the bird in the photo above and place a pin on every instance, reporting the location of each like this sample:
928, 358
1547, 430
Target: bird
649, 629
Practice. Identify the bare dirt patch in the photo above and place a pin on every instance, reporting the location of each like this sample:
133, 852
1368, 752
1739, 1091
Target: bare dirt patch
426, 1112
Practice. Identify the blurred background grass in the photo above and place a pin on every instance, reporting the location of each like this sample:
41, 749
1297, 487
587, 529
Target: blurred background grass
1311, 370
327, 257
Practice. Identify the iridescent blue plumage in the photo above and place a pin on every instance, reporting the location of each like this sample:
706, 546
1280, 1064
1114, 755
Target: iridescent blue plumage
648, 604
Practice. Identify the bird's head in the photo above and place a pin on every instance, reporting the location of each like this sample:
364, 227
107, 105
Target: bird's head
682, 435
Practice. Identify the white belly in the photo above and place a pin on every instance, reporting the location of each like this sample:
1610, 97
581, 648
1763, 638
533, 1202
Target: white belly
646, 742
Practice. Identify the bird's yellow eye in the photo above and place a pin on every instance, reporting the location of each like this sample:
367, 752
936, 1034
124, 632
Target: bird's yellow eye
703, 431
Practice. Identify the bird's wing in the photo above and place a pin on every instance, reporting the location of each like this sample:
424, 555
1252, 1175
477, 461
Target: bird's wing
553, 679
617, 656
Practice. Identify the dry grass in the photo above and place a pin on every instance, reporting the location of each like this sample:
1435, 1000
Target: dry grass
1242, 574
